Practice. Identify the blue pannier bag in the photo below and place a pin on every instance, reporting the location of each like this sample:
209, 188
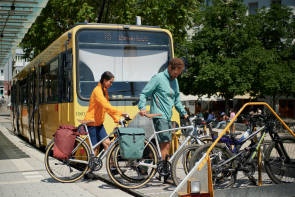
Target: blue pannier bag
131, 141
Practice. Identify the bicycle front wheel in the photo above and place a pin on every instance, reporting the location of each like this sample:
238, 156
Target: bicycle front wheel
69, 170
180, 164
131, 174
280, 161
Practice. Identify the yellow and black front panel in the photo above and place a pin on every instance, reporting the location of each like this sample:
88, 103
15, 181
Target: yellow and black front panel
132, 54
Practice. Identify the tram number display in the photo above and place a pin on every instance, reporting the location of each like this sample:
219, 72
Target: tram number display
123, 37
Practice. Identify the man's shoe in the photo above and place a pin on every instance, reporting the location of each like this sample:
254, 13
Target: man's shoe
142, 170
169, 181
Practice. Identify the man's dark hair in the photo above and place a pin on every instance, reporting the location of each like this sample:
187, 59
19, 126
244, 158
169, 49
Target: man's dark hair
176, 62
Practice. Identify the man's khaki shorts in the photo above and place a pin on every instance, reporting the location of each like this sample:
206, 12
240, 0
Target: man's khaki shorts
160, 125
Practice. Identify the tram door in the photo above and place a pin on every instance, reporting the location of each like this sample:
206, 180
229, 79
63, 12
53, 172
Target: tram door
65, 84
15, 108
36, 115
31, 106
37, 119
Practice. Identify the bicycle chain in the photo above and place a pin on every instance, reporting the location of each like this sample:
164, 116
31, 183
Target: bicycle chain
164, 168
95, 164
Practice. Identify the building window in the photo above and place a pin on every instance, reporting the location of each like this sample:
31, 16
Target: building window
1, 73
253, 8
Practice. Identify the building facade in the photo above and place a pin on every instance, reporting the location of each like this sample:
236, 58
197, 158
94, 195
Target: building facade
14, 65
253, 5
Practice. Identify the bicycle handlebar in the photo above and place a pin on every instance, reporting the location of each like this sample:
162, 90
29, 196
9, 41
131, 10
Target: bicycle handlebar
86, 121
152, 115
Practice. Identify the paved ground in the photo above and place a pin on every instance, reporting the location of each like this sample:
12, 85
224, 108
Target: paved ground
22, 172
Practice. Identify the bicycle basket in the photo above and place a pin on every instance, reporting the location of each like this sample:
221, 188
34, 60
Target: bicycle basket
131, 142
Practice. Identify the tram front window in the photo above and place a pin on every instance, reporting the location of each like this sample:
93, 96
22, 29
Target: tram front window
132, 56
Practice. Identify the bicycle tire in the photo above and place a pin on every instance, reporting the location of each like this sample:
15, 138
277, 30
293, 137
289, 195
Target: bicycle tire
278, 170
221, 179
181, 161
129, 174
206, 139
67, 171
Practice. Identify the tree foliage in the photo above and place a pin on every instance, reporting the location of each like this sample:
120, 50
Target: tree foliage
55, 19
60, 15
233, 54
276, 33
219, 41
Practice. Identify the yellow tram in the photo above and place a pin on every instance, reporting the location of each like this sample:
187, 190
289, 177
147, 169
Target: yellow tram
54, 89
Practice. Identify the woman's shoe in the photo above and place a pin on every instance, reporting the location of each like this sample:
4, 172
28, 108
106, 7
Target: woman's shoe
89, 175
114, 171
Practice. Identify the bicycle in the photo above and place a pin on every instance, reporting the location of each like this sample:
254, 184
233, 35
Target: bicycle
199, 136
136, 173
226, 162
82, 158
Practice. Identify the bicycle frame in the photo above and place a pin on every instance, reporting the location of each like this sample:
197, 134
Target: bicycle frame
279, 146
92, 147
155, 134
243, 141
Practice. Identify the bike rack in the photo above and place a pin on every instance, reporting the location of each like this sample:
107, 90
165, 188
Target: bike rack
200, 164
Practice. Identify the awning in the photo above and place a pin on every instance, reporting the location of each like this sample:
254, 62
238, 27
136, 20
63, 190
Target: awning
16, 17
245, 96
199, 98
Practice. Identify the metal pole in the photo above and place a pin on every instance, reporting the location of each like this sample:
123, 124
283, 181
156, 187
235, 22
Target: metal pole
101, 12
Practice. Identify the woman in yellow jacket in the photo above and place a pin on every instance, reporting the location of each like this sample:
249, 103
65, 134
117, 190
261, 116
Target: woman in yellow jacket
99, 105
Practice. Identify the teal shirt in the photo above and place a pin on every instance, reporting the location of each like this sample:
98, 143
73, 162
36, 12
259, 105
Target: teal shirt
164, 93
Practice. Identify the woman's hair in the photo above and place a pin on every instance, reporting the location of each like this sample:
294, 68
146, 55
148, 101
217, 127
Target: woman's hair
107, 75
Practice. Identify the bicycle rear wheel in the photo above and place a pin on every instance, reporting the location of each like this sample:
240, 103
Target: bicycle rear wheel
180, 164
277, 166
131, 174
222, 176
69, 170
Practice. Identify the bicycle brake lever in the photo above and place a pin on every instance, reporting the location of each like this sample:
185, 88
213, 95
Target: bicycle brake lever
128, 118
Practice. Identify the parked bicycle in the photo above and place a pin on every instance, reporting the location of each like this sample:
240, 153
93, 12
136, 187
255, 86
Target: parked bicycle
180, 166
136, 173
279, 156
82, 158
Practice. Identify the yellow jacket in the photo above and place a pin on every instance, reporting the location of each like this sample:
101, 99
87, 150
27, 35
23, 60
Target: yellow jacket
99, 105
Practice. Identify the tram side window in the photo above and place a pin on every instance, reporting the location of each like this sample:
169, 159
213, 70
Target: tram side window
67, 81
23, 93
44, 79
52, 82
41, 89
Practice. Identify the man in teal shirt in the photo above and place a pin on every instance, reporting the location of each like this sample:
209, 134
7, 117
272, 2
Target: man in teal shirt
164, 90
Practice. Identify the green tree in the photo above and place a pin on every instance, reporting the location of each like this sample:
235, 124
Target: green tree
219, 46
55, 19
232, 53
61, 15
276, 32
